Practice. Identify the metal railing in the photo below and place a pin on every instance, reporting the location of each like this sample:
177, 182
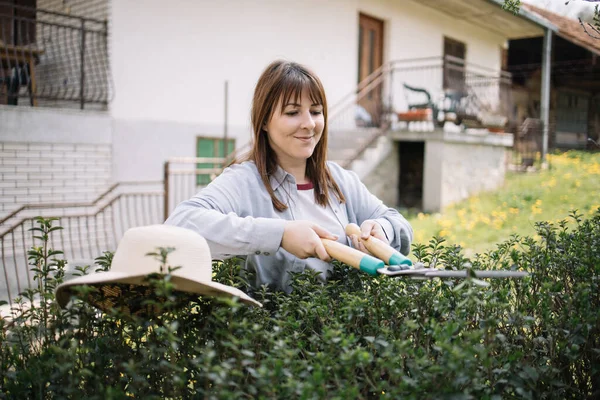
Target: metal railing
92, 228
181, 177
442, 88
439, 80
89, 229
51, 58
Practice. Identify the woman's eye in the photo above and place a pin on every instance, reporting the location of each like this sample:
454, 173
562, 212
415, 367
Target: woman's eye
291, 113
317, 112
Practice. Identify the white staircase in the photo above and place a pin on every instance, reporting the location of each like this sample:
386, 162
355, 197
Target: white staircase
345, 149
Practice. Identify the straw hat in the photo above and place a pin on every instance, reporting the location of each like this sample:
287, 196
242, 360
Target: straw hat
131, 267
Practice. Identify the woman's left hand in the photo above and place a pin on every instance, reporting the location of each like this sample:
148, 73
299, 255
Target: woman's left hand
368, 228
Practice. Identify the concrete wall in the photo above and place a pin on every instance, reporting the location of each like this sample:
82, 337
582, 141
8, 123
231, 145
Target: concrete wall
456, 165
470, 168
382, 181
49, 156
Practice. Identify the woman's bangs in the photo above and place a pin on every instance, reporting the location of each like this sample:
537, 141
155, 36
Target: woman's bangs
294, 84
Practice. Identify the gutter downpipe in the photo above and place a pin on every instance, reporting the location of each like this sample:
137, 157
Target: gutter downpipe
545, 95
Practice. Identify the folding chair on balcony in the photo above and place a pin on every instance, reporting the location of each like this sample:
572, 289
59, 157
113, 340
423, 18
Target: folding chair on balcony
455, 106
425, 110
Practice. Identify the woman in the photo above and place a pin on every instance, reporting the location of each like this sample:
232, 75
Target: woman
275, 207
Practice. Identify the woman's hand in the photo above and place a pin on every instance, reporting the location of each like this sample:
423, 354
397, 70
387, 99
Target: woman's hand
368, 228
303, 239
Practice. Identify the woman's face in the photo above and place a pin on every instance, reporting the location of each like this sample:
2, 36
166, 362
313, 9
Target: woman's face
295, 132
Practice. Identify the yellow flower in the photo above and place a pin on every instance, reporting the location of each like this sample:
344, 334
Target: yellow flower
593, 169
513, 210
550, 183
535, 209
445, 223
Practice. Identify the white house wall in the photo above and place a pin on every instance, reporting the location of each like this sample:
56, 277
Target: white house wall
170, 62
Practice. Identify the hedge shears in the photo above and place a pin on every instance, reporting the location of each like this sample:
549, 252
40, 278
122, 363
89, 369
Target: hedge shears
388, 261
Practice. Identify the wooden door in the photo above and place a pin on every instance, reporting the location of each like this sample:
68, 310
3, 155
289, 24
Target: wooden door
370, 57
454, 70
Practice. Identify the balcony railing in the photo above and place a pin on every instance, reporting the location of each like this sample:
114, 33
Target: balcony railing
439, 89
418, 94
52, 59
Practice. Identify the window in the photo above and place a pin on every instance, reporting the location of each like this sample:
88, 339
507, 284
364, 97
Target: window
17, 22
211, 147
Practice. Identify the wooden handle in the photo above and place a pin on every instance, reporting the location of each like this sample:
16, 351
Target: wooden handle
355, 258
378, 248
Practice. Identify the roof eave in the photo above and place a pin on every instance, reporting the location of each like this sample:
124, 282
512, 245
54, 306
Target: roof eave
528, 15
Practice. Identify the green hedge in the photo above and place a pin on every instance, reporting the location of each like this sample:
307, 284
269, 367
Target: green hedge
354, 337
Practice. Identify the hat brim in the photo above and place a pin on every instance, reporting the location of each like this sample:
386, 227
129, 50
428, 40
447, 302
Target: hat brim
212, 289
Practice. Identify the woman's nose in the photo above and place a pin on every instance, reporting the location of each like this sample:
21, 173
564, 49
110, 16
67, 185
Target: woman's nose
308, 122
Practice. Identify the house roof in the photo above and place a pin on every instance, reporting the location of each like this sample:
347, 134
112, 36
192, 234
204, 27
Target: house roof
569, 29
489, 14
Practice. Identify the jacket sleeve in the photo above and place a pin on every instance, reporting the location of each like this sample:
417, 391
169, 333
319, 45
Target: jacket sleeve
217, 213
367, 206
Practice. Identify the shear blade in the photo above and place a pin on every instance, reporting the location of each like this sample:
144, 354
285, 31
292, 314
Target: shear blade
436, 273
478, 274
412, 271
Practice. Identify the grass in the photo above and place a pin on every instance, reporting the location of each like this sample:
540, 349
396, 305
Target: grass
572, 182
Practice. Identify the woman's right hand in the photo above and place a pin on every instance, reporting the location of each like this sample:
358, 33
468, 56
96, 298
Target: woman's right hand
303, 239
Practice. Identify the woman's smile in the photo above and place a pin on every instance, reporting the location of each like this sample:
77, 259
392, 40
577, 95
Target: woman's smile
305, 139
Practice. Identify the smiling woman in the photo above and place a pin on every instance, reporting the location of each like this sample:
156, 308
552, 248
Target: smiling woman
274, 207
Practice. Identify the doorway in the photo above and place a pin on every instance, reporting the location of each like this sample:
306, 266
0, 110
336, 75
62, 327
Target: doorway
410, 185
370, 57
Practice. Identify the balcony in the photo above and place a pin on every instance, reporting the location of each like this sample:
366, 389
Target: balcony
432, 90
53, 59
423, 95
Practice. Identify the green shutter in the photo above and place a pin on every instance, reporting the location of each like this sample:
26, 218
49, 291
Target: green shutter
207, 147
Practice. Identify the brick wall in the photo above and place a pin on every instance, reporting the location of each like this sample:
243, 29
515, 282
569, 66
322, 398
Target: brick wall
52, 173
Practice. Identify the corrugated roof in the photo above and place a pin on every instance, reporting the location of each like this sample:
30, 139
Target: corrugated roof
568, 28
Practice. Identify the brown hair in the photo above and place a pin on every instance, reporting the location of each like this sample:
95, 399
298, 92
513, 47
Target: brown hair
282, 80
